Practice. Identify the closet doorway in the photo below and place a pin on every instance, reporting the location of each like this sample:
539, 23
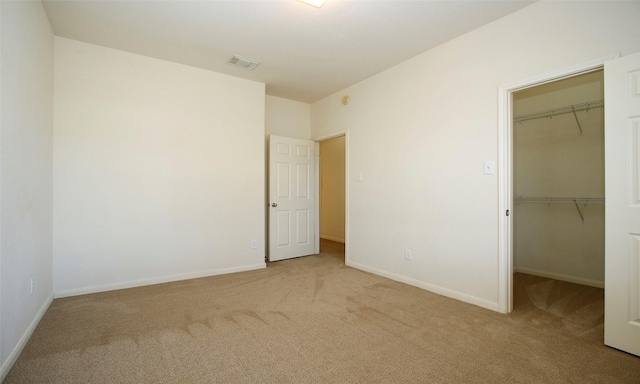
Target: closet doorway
558, 211
558, 180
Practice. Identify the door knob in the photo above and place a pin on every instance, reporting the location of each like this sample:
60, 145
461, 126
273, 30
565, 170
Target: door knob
274, 205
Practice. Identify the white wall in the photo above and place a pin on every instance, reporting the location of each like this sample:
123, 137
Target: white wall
332, 189
26, 128
288, 118
553, 159
158, 170
420, 132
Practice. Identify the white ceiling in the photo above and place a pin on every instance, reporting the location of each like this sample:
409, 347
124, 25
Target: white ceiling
305, 53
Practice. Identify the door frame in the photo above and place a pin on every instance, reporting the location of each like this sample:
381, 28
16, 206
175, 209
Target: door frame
317, 141
505, 169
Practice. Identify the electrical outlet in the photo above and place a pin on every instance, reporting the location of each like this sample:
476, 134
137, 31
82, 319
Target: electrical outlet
32, 284
254, 244
408, 254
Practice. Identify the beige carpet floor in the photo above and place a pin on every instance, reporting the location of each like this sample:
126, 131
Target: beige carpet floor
314, 320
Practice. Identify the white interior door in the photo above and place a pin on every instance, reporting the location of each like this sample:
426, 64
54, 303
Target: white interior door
291, 198
622, 214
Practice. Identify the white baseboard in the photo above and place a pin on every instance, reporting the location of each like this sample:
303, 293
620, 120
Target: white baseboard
429, 287
559, 276
156, 280
13, 357
331, 238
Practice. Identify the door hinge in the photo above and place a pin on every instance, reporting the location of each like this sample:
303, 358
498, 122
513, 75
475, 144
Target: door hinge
507, 212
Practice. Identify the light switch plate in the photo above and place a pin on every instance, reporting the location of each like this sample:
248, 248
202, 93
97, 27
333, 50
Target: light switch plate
489, 167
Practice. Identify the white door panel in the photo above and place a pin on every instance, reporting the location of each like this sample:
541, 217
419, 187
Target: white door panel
622, 215
291, 187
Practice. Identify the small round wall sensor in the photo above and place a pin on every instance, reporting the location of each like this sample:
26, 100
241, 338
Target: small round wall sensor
345, 100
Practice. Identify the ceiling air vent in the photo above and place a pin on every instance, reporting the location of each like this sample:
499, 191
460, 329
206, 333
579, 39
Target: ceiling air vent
243, 62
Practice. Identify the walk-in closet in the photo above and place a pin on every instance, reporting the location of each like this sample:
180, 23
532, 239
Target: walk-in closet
558, 166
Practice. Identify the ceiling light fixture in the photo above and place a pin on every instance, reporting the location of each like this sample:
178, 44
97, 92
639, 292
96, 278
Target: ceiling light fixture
315, 3
243, 62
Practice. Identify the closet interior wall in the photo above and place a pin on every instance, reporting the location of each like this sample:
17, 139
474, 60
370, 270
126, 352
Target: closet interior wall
559, 180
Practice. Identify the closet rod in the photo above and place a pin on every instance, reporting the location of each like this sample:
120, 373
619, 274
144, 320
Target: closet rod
586, 106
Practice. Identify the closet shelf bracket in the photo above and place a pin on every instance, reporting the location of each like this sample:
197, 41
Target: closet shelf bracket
579, 211
577, 122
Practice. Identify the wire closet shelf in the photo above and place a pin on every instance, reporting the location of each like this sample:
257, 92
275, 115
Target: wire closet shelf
559, 200
576, 201
573, 108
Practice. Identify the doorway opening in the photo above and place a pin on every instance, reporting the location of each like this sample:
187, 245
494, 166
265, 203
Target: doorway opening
507, 96
558, 199
332, 194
